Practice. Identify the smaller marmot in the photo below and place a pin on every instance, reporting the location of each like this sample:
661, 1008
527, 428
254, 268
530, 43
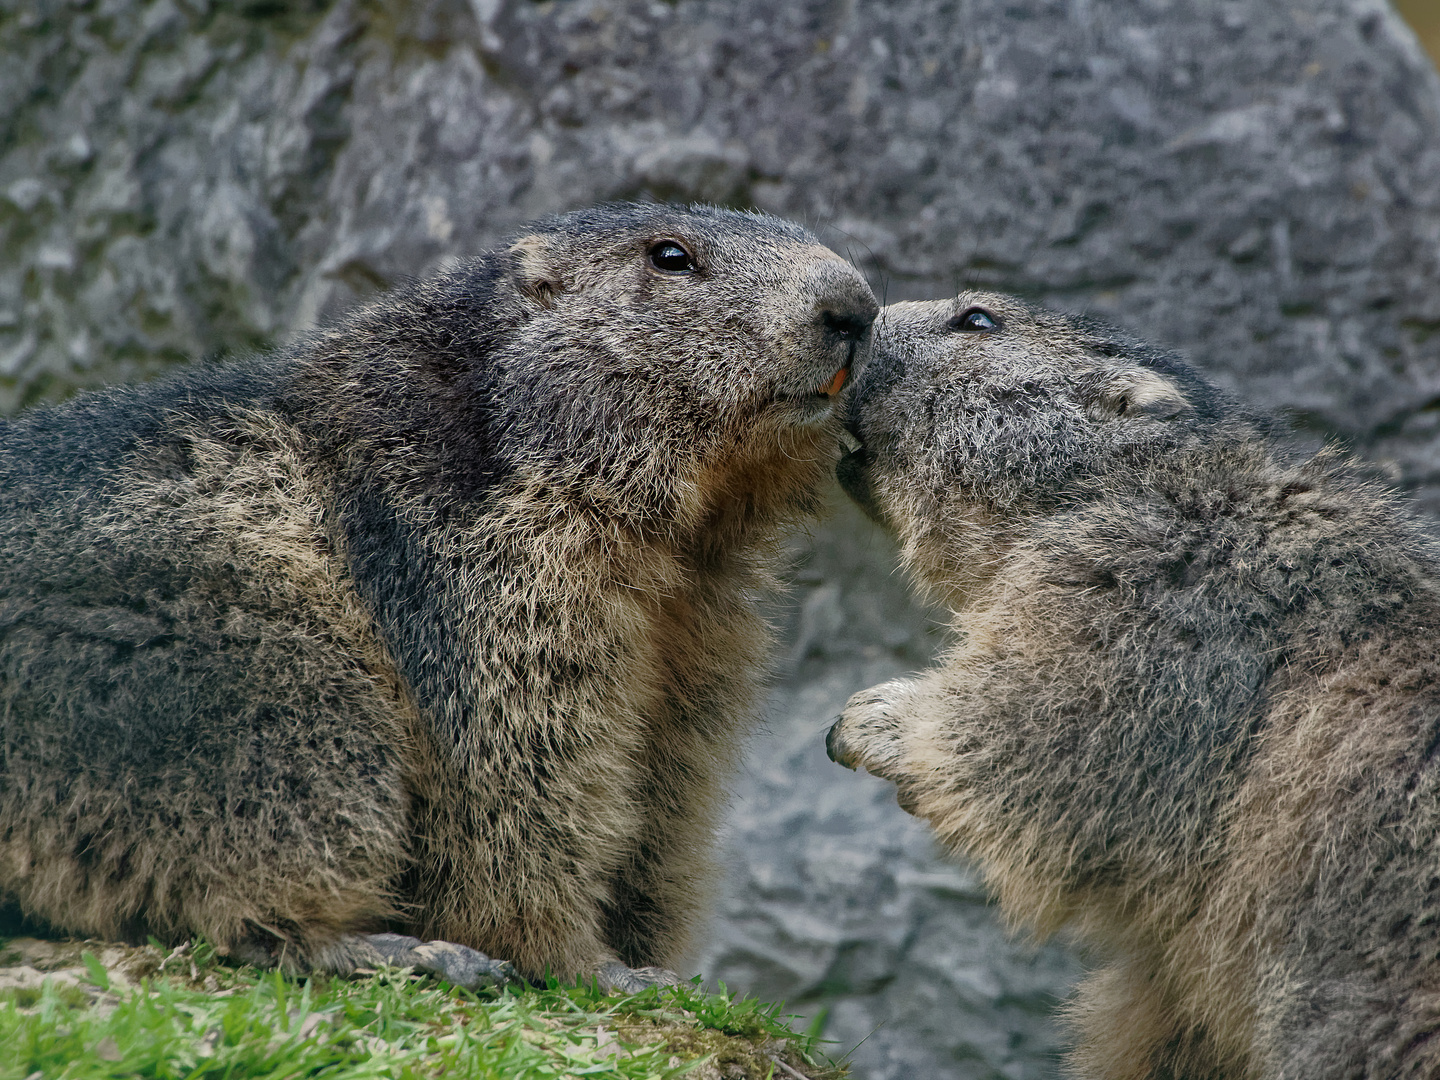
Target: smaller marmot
1193, 708
443, 621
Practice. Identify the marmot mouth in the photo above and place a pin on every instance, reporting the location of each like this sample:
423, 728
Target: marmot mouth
831, 388
816, 403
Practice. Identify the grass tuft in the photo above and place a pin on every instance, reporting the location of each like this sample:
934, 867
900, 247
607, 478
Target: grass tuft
105, 1012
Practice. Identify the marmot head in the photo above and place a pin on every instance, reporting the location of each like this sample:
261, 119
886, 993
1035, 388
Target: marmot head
677, 368
979, 413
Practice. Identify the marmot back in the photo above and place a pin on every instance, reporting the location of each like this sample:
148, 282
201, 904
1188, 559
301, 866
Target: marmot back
440, 621
1192, 708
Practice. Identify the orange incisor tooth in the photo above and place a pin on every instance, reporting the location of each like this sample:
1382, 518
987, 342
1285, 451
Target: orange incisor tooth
833, 387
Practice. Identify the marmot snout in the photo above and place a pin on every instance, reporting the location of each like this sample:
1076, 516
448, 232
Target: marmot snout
1191, 711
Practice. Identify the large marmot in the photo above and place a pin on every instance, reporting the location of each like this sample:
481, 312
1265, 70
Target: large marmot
441, 621
1193, 708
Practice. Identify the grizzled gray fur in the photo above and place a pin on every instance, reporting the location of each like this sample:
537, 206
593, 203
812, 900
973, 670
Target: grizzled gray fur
1193, 703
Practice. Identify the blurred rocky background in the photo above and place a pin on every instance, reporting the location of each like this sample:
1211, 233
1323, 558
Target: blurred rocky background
1255, 183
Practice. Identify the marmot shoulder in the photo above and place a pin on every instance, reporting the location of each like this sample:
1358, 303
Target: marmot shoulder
1192, 708
438, 622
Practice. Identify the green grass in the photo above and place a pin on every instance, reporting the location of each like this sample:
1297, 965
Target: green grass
185, 1016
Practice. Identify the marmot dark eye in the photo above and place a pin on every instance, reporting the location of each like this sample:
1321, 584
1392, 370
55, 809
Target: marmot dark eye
670, 257
975, 320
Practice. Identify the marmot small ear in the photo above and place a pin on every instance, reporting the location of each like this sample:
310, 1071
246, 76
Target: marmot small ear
534, 275
1136, 394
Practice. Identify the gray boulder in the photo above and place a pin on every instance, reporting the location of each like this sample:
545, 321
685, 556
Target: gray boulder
1258, 184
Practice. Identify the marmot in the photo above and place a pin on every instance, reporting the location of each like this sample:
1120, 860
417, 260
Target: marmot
442, 621
1193, 707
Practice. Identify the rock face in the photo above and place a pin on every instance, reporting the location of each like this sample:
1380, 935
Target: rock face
1258, 184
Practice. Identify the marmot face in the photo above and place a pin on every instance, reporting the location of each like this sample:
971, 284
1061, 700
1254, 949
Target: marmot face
683, 363
978, 412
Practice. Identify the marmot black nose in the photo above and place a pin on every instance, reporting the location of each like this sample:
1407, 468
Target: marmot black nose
849, 324
843, 304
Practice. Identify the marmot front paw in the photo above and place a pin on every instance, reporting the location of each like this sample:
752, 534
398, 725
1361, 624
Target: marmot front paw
459, 965
615, 978
868, 731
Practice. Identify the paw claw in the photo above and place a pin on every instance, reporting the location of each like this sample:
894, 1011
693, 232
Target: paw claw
835, 746
459, 965
463, 966
615, 978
